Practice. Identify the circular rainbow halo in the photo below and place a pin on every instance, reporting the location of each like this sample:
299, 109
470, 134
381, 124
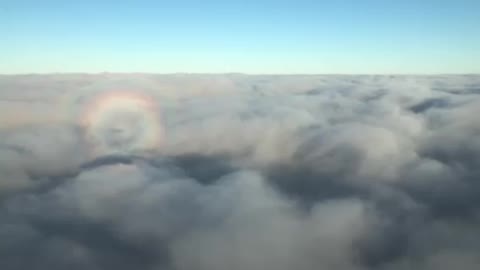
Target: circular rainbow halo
122, 122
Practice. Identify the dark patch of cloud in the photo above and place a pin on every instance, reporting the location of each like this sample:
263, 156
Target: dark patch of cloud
430, 103
107, 160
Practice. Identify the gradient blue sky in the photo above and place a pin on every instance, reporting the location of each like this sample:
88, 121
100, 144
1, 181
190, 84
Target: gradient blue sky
370, 36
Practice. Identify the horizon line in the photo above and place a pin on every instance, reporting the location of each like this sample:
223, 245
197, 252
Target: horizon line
239, 73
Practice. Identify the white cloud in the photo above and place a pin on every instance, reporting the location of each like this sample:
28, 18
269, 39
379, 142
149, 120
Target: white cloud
252, 172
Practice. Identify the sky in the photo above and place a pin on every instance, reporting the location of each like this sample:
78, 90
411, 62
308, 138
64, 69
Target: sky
324, 37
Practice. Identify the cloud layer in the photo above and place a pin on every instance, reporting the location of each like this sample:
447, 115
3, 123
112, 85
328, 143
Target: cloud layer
252, 172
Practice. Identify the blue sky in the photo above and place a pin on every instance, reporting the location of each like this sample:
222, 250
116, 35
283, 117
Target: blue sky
371, 36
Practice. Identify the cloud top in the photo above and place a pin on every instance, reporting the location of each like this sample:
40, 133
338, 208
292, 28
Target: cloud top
253, 172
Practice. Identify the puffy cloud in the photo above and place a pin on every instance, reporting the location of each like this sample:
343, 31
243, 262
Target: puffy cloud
250, 172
